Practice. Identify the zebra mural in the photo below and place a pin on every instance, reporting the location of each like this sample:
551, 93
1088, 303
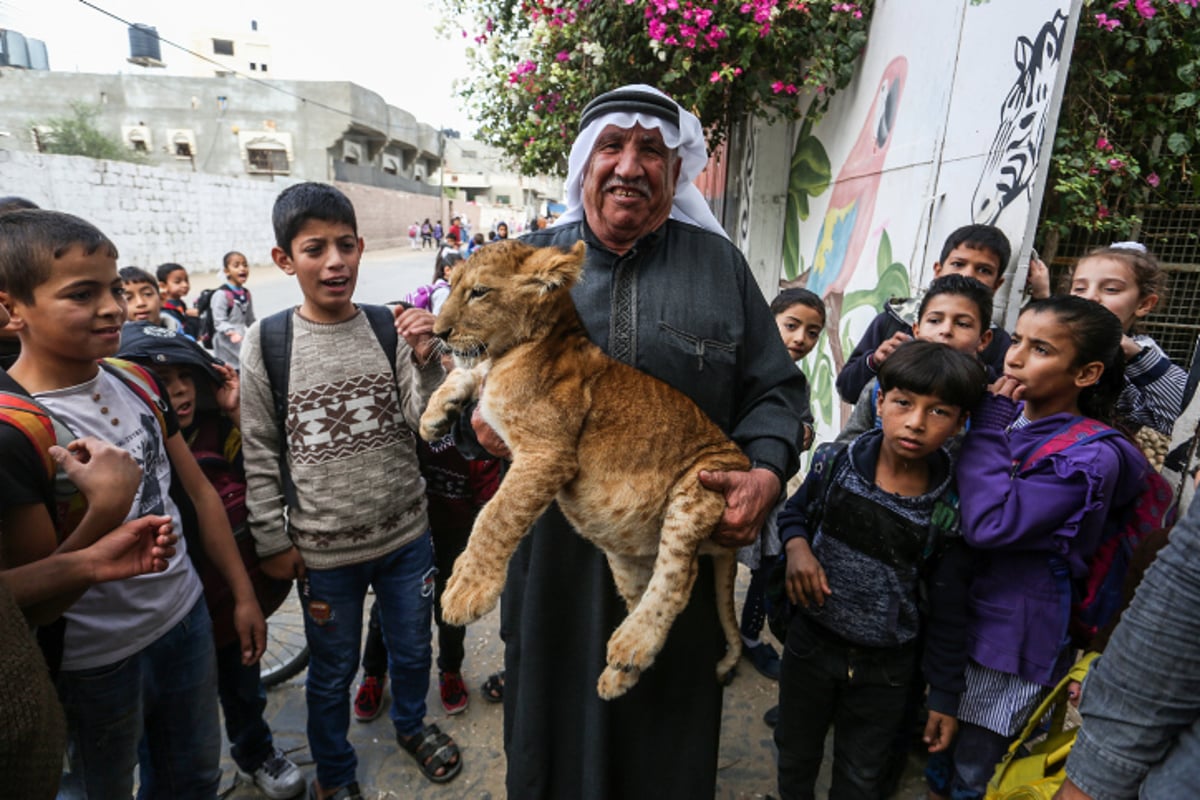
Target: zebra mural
1012, 161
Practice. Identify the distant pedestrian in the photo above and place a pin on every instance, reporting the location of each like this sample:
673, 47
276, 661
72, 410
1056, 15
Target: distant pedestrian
437, 232
414, 231
426, 234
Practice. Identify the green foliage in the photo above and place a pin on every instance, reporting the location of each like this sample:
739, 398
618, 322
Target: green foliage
536, 63
1127, 128
892, 282
811, 174
77, 135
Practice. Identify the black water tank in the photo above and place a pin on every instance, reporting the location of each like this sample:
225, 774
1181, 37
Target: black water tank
16, 53
143, 43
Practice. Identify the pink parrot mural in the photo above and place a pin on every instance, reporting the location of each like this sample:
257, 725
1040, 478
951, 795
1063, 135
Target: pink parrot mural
847, 223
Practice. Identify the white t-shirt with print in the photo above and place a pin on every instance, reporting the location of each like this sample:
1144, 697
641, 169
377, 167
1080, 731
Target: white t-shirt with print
117, 619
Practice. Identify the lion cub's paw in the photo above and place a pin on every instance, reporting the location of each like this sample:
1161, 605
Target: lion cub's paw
632, 646
468, 596
615, 682
437, 419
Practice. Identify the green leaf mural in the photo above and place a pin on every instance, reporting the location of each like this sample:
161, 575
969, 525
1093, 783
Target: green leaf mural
810, 176
892, 282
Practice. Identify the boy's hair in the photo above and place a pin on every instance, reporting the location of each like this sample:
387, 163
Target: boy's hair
31, 240
14, 203
790, 297
979, 237
137, 275
961, 286
164, 270
225, 259
298, 204
1096, 333
936, 369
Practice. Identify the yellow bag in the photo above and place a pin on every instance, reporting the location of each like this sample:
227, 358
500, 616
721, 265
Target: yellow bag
1038, 774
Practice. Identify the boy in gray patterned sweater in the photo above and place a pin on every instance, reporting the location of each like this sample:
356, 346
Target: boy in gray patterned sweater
354, 513
861, 535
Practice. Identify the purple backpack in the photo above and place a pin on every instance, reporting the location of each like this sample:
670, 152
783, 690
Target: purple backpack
1097, 598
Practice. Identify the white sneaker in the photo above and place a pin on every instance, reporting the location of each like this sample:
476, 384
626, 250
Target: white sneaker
278, 777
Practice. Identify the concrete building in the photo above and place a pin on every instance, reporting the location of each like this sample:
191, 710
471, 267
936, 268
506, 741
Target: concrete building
306, 130
475, 172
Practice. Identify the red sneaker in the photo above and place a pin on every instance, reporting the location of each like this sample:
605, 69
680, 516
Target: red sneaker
454, 692
368, 702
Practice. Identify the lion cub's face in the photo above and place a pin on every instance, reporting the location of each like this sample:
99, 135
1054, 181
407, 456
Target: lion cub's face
505, 294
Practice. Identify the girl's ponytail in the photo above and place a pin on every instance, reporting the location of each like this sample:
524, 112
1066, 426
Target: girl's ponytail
1096, 333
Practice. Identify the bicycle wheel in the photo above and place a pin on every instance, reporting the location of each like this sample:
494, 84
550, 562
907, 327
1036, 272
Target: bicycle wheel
287, 649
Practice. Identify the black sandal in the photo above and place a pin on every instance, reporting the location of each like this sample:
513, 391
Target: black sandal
433, 751
493, 688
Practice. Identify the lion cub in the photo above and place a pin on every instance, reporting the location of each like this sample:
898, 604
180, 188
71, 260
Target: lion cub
618, 449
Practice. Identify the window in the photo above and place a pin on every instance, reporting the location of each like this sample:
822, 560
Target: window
253, 66
253, 24
222, 47
503, 200
267, 159
263, 67
183, 150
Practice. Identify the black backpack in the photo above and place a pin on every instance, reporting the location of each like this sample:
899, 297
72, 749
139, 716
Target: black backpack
275, 335
206, 329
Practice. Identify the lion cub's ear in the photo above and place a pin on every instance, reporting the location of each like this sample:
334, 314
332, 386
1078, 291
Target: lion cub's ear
554, 268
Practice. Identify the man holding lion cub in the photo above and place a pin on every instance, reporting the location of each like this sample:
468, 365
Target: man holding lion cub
666, 292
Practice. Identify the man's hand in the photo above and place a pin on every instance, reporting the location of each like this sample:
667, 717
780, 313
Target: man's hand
749, 497
416, 326
104, 473
285, 566
487, 437
1069, 791
1037, 282
805, 582
235, 337
251, 629
136, 548
939, 731
885, 350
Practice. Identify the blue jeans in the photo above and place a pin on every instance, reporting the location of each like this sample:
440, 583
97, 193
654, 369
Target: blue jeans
166, 693
243, 700
977, 751
333, 604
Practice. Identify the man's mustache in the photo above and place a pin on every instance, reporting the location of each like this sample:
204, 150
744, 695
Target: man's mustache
641, 185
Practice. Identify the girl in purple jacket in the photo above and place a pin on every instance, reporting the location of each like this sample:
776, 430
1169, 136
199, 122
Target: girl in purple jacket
1033, 521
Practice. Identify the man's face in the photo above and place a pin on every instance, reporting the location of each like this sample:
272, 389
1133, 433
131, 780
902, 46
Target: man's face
628, 185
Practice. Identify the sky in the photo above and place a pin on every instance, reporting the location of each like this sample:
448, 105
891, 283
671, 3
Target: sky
391, 48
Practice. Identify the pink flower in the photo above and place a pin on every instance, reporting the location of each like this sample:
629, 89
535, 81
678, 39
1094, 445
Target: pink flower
1152, 179
1103, 21
715, 77
1145, 8
1120, 5
1102, 211
1103, 144
561, 56
777, 87
1115, 163
1093, 171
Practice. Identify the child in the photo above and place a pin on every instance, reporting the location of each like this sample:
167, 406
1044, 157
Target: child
173, 285
957, 311
204, 395
977, 251
232, 310
138, 656
334, 490
856, 536
1038, 524
1127, 280
800, 317
142, 301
